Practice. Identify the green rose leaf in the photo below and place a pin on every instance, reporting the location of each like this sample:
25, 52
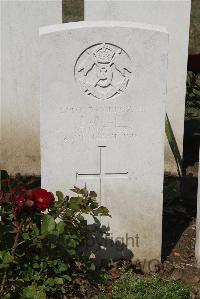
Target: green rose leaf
75, 203
48, 225
59, 280
35, 230
7, 296
50, 282
94, 205
102, 211
76, 190
25, 236
92, 194
60, 227
59, 195
67, 277
62, 267
7, 258
92, 267
32, 292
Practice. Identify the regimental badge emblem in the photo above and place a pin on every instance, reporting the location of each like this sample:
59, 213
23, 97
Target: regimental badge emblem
103, 71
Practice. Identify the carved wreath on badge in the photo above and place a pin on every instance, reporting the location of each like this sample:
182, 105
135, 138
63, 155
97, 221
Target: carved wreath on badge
103, 71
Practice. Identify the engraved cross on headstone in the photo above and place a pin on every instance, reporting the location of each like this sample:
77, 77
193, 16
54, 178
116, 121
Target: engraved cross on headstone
101, 175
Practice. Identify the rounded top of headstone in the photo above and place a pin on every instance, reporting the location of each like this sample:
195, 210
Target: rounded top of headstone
95, 24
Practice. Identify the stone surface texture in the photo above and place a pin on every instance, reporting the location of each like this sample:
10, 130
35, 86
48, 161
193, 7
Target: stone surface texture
175, 16
103, 91
20, 22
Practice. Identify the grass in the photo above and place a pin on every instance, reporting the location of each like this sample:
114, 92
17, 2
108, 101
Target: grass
73, 10
131, 287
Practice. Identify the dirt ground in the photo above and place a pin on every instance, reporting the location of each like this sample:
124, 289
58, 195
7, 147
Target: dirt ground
181, 264
179, 235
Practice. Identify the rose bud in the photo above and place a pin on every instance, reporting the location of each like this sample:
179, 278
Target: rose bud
29, 203
20, 201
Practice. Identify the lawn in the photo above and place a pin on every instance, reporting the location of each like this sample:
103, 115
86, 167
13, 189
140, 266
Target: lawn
131, 287
73, 10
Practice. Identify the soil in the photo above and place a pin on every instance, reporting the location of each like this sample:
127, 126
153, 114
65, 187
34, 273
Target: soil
179, 237
181, 263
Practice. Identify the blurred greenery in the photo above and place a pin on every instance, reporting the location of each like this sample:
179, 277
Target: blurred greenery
194, 46
73, 10
193, 96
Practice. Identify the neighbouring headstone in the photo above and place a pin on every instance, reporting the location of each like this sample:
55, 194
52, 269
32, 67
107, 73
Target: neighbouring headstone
20, 22
103, 90
175, 16
198, 222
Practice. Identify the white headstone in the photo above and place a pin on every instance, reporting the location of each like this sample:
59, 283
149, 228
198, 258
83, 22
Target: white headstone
103, 90
20, 22
198, 222
175, 16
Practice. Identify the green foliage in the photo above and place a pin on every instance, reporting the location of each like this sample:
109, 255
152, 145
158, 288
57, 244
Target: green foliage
32, 292
194, 44
173, 145
193, 96
132, 287
42, 255
192, 113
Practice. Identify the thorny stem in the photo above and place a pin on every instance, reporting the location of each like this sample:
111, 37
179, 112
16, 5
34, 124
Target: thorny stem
17, 238
12, 252
3, 282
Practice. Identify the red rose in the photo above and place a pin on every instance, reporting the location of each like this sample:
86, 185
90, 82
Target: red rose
22, 202
43, 199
